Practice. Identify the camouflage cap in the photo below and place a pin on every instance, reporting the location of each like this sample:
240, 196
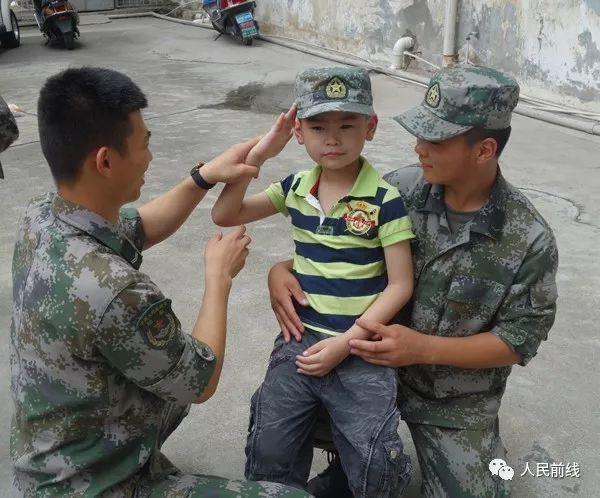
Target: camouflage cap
459, 99
328, 89
8, 129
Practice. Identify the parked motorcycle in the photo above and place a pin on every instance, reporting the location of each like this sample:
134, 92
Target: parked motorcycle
57, 20
233, 17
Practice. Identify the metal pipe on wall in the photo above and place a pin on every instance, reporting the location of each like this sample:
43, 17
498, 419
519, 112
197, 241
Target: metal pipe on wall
449, 54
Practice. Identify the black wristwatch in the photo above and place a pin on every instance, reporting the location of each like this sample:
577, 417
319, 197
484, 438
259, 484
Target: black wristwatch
197, 177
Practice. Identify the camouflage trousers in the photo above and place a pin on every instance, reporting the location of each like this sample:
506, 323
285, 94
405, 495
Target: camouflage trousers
454, 462
178, 485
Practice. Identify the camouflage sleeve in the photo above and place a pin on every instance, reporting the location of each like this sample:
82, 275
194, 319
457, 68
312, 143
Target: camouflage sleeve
528, 310
140, 336
130, 224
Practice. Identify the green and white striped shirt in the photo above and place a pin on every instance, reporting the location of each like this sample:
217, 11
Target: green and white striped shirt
339, 259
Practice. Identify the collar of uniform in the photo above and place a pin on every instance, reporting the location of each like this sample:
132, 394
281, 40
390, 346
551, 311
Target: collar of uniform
366, 184
489, 220
97, 227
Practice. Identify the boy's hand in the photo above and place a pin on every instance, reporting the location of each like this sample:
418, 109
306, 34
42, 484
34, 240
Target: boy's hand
323, 357
275, 140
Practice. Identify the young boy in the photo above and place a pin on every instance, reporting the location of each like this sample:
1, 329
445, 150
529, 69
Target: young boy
349, 226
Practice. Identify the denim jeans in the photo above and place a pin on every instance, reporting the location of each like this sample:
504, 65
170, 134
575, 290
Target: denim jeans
361, 401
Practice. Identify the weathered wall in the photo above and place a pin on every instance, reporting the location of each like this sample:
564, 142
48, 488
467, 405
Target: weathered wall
551, 46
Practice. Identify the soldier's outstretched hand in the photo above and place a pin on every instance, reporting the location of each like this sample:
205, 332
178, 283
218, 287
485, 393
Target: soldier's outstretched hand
225, 255
231, 166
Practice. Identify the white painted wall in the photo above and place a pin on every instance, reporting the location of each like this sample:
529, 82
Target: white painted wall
551, 46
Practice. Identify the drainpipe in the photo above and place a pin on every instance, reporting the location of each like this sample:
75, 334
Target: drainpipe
450, 57
398, 56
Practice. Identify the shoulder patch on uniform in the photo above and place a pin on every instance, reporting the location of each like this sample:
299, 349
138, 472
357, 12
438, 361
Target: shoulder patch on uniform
158, 324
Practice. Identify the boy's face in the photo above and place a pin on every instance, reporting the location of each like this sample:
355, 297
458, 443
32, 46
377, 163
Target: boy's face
448, 162
335, 139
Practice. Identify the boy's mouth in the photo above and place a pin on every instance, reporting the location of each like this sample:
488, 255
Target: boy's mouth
333, 154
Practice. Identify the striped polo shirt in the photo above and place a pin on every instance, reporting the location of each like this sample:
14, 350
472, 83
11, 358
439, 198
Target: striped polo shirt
339, 259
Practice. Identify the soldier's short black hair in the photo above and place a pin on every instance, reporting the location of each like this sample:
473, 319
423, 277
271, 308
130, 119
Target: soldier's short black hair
478, 134
81, 109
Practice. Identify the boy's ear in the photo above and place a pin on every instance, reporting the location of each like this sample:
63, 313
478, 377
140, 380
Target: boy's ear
372, 127
298, 131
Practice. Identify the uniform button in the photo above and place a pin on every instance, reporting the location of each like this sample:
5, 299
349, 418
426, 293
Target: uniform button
393, 454
205, 352
520, 339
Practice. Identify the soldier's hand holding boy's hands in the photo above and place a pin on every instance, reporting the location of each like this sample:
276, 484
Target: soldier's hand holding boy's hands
275, 140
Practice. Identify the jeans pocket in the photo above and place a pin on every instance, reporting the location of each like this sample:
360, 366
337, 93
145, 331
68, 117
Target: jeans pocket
279, 355
398, 468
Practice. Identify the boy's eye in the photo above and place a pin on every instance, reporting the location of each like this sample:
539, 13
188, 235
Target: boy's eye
347, 127
317, 128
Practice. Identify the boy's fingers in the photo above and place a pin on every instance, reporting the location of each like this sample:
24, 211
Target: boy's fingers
315, 348
311, 359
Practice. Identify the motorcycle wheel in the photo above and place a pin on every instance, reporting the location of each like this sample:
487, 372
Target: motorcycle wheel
13, 39
247, 41
69, 40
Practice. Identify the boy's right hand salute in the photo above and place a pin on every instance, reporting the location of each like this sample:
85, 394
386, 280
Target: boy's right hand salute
275, 140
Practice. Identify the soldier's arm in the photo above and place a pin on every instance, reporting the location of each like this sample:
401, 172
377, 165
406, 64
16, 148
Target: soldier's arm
163, 216
522, 322
141, 337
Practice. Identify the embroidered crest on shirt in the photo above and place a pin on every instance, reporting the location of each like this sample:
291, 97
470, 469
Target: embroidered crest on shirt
360, 217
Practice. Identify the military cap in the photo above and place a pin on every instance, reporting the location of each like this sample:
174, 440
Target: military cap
459, 99
320, 90
8, 129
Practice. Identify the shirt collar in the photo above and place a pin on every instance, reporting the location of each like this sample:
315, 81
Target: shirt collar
489, 220
366, 184
105, 232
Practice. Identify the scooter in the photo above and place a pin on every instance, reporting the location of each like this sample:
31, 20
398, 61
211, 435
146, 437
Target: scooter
57, 20
233, 17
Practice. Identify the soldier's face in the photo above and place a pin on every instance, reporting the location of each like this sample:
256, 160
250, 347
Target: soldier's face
445, 163
134, 162
335, 140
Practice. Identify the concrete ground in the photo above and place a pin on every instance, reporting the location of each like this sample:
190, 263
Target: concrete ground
205, 95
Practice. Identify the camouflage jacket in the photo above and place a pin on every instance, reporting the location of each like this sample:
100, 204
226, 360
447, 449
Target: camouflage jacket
495, 274
97, 356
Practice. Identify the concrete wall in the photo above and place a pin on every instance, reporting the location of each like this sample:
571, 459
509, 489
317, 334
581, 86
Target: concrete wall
551, 46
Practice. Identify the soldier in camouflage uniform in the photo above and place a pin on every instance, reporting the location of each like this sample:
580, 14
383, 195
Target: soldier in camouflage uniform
101, 370
485, 263
8, 129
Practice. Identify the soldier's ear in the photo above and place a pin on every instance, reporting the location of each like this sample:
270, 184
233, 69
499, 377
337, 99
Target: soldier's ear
487, 149
298, 131
102, 161
372, 126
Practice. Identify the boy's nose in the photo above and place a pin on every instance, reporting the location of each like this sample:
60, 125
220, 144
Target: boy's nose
332, 139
